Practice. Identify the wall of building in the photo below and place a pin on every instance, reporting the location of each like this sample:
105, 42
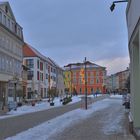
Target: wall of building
11, 43
133, 23
132, 14
95, 80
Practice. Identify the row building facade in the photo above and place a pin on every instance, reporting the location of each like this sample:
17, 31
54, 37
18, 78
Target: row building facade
44, 74
133, 25
11, 44
74, 78
118, 82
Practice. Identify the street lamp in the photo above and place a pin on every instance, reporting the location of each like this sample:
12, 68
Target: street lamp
70, 79
15, 87
85, 61
15, 80
112, 7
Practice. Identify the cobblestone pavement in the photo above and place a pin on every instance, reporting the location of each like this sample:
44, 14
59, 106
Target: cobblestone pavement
14, 125
99, 126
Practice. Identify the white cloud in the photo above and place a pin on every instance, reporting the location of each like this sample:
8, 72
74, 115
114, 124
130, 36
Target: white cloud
115, 65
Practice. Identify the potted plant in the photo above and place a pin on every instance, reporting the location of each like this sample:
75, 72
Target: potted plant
52, 95
33, 103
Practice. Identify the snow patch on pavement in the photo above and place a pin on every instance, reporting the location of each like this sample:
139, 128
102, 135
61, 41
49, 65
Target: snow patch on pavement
112, 123
116, 96
40, 106
58, 124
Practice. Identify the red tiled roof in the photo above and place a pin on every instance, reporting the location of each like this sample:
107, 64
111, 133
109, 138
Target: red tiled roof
28, 52
80, 64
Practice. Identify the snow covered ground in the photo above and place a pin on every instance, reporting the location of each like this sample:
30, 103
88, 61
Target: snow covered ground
92, 96
116, 96
38, 107
58, 124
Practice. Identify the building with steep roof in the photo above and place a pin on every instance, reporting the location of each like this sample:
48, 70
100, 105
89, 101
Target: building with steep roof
36, 62
117, 82
133, 25
44, 74
74, 78
11, 43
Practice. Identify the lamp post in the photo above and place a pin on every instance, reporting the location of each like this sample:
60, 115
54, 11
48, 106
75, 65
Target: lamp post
85, 84
112, 7
15, 95
71, 81
15, 81
3, 99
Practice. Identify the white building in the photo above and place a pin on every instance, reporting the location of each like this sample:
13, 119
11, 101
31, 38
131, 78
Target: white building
43, 74
133, 24
11, 43
36, 62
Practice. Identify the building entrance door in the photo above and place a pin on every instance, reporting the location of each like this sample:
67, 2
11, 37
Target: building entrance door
2, 94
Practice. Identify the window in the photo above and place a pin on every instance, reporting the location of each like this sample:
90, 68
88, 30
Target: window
80, 90
4, 20
38, 78
6, 9
48, 69
54, 78
97, 73
0, 62
0, 16
38, 64
42, 76
91, 81
46, 76
97, 81
13, 26
30, 75
74, 80
8, 23
30, 63
54, 70
41, 66
18, 31
29, 89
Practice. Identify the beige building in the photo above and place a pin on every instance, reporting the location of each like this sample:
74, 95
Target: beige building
133, 24
44, 74
60, 82
11, 42
118, 81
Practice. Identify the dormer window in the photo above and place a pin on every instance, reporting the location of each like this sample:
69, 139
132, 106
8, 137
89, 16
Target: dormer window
15, 28
0, 16
6, 9
4, 20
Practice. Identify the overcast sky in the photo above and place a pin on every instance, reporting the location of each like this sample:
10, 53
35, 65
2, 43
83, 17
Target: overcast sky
69, 30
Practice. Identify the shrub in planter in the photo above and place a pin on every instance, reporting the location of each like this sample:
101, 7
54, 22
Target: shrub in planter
19, 104
33, 103
52, 104
66, 100
26, 101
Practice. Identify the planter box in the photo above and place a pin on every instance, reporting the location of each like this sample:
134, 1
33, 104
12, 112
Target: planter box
51, 104
19, 104
33, 103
